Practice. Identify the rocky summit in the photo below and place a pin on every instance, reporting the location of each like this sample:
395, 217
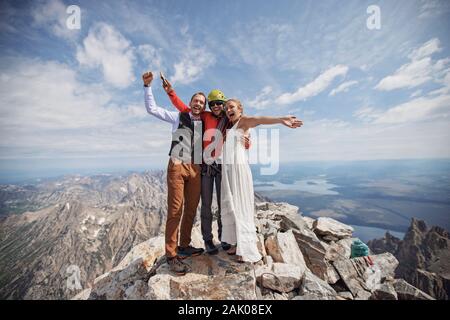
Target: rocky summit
303, 259
424, 256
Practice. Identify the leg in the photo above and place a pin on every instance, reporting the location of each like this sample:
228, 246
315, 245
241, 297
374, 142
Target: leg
218, 181
192, 188
175, 187
207, 195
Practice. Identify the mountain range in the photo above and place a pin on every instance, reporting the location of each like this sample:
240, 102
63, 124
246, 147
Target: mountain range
92, 227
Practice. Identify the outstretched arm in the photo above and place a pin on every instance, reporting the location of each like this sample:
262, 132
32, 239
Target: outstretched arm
180, 105
150, 104
248, 122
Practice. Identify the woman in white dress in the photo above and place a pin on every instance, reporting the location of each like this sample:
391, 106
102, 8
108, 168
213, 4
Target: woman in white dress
237, 199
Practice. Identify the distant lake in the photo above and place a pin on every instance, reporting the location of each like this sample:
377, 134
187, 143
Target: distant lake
372, 197
369, 233
316, 186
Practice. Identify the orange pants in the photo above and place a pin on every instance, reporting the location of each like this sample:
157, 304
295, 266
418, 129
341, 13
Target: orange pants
183, 188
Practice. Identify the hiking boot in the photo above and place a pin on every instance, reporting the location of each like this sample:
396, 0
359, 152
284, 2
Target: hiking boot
190, 251
225, 246
177, 266
211, 248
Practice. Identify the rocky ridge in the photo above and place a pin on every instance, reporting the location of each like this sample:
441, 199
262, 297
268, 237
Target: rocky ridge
87, 226
424, 256
303, 259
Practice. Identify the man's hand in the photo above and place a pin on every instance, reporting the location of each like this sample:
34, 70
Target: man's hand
147, 78
167, 86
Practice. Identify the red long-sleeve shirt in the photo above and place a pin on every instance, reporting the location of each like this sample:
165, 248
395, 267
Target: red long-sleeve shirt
209, 121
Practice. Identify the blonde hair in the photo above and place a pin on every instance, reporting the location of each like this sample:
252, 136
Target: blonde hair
237, 101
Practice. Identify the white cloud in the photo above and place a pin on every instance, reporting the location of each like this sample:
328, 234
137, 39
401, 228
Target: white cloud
333, 139
151, 56
419, 70
415, 110
366, 114
416, 93
107, 48
426, 50
263, 99
193, 63
433, 8
344, 87
315, 87
56, 115
52, 15
418, 109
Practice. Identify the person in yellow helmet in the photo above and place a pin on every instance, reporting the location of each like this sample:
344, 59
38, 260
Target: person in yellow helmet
211, 171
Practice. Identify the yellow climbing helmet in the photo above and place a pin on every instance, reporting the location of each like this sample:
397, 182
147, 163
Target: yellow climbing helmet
216, 95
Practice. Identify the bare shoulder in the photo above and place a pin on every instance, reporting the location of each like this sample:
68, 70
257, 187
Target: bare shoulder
244, 123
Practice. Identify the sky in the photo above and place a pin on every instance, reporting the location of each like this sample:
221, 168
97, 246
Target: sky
73, 98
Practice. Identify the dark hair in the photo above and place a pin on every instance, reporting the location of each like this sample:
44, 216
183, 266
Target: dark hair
200, 94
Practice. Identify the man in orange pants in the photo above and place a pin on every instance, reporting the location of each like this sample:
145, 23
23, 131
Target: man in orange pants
183, 175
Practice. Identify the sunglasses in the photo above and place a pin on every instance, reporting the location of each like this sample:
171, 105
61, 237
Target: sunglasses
216, 103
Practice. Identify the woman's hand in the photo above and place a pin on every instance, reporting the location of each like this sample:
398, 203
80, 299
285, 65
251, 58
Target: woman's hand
291, 122
245, 140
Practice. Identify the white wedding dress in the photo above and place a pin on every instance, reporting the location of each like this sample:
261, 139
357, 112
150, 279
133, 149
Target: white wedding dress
237, 198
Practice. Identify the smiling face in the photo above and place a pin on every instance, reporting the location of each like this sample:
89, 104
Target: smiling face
233, 109
197, 103
217, 107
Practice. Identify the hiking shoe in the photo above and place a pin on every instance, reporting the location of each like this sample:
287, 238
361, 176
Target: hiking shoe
177, 266
211, 248
225, 246
190, 251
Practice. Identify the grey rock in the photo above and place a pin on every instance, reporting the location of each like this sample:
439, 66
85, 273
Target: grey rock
284, 277
332, 230
385, 291
347, 295
361, 277
405, 291
313, 285
283, 248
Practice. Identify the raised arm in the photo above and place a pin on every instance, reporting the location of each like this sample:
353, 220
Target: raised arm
152, 107
248, 122
177, 103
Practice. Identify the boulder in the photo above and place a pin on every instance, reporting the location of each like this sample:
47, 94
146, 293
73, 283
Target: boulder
137, 291
330, 229
240, 286
309, 222
283, 278
112, 285
340, 249
149, 251
347, 295
313, 285
385, 291
283, 248
387, 263
159, 287
261, 246
364, 275
312, 248
314, 252
83, 295
332, 276
405, 291
212, 277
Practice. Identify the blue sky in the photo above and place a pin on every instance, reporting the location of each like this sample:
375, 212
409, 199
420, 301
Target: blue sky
363, 94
